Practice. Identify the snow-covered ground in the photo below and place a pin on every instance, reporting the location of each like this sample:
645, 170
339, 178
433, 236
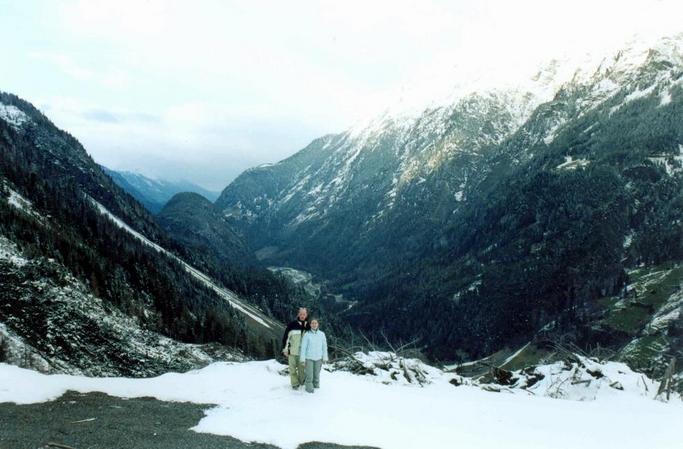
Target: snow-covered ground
255, 403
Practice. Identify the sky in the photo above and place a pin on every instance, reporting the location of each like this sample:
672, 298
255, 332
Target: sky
203, 90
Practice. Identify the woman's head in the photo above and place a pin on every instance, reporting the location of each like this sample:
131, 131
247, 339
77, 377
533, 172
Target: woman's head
315, 324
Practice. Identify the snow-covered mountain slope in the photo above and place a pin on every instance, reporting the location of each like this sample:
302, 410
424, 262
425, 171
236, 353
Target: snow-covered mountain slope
419, 171
66, 328
90, 283
540, 181
257, 404
374, 164
102, 339
373, 168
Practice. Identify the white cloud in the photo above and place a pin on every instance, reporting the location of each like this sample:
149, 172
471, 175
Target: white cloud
64, 63
254, 81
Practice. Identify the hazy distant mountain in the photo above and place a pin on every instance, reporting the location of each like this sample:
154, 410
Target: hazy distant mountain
476, 224
155, 193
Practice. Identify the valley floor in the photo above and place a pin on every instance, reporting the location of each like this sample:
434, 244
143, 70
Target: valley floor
254, 403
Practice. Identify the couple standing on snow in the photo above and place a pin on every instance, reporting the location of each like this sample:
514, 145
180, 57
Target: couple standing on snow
306, 348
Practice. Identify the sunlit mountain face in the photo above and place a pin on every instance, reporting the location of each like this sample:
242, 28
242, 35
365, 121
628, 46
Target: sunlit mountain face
482, 221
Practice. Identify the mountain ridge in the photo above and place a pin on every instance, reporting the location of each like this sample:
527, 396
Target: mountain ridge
154, 193
87, 276
401, 214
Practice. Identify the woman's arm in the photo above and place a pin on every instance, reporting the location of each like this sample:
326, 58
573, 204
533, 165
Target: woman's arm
303, 348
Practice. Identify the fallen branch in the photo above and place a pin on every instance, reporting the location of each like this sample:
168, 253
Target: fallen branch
371, 345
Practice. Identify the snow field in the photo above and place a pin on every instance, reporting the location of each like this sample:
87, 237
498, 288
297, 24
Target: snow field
255, 403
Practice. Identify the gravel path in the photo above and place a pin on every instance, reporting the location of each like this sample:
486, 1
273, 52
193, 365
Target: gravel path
99, 421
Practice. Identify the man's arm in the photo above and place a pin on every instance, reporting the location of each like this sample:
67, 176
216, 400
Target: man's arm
285, 338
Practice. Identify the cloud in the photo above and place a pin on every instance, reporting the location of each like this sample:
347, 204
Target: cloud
118, 117
221, 84
99, 115
332, 63
194, 140
65, 64
84, 71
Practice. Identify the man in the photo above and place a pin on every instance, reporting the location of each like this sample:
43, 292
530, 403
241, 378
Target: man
291, 343
314, 353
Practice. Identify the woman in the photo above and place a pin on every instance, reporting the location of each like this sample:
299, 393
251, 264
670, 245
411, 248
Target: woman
313, 352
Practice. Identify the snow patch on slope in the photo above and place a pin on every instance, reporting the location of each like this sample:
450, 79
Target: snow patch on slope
19, 202
13, 115
17, 351
572, 164
672, 164
10, 253
669, 312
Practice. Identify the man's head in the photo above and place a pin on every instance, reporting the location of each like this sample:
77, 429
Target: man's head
314, 324
303, 314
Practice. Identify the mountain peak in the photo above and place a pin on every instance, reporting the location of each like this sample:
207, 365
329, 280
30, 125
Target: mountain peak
154, 193
188, 197
539, 83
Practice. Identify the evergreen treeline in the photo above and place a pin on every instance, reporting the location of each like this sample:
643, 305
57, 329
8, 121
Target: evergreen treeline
51, 169
502, 237
539, 245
